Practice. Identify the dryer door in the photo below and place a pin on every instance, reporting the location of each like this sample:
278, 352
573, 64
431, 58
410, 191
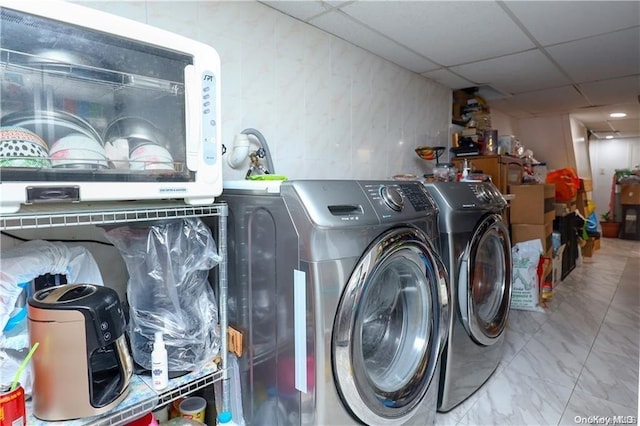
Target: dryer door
484, 285
390, 327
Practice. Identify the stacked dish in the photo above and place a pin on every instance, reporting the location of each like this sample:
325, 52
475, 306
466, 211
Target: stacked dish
20, 147
50, 125
146, 150
69, 140
78, 151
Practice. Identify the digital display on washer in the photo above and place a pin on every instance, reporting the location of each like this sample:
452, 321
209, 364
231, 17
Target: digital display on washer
416, 197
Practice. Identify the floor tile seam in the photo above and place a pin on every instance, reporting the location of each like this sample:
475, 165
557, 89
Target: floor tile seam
624, 356
566, 405
584, 363
555, 385
620, 354
587, 393
545, 380
479, 394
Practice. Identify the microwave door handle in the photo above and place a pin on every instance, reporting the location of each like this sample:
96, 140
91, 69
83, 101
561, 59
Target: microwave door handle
192, 116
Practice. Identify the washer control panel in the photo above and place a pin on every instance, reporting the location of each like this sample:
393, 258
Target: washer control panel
406, 198
488, 194
392, 197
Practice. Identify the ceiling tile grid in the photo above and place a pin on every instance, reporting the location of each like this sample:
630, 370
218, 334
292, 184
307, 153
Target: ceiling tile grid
545, 57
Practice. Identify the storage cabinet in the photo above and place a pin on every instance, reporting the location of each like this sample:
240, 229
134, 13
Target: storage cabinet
142, 398
503, 169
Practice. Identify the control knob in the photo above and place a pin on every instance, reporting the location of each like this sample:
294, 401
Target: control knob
483, 194
392, 198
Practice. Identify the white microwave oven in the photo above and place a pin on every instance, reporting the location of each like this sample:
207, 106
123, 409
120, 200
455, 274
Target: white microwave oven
96, 107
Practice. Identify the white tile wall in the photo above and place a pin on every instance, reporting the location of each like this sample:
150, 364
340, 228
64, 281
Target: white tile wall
327, 109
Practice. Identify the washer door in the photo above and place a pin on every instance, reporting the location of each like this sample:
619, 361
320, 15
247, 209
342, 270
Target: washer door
484, 286
390, 327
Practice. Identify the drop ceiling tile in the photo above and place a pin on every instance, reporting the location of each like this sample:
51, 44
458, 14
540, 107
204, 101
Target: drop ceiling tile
613, 91
517, 73
448, 79
617, 54
509, 107
298, 9
598, 126
341, 25
553, 22
626, 125
448, 33
559, 100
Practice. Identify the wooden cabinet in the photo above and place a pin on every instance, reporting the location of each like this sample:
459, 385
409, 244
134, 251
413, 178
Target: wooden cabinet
503, 169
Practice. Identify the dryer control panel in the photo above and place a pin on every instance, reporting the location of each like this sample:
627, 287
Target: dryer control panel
347, 203
394, 200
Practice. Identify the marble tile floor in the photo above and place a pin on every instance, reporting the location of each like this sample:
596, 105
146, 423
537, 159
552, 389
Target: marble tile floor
579, 358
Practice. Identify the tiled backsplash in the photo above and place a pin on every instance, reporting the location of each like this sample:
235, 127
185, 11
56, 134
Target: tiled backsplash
327, 108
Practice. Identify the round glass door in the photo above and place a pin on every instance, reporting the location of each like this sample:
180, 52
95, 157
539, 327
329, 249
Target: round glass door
387, 333
485, 296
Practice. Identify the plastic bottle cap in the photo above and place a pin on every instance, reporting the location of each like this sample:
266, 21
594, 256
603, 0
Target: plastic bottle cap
224, 417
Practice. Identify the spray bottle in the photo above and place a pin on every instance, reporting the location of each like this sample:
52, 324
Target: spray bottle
159, 370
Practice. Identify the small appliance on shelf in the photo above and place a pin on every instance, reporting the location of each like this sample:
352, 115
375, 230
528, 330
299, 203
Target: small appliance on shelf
82, 367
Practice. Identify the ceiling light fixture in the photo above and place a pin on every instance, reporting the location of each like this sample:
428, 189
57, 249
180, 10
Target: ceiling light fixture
608, 137
617, 114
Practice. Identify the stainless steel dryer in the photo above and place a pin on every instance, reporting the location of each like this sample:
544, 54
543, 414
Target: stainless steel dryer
345, 300
477, 251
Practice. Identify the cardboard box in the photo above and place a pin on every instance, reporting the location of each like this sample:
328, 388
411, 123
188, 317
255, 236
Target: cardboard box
586, 185
563, 209
533, 204
587, 249
630, 193
581, 202
525, 232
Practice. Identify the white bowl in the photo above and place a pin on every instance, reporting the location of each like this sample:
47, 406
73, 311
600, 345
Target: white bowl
145, 151
68, 157
76, 141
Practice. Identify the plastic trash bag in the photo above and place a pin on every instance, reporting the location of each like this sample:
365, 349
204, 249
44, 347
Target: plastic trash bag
29, 260
591, 224
168, 291
567, 183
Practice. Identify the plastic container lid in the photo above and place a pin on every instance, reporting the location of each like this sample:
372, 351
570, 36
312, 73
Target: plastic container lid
193, 405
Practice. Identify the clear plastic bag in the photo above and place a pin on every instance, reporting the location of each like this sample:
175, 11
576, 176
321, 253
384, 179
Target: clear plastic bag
29, 260
169, 291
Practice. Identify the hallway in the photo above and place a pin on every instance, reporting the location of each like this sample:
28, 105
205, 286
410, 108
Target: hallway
578, 359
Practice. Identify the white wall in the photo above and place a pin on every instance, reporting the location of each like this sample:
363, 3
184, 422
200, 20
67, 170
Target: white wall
550, 140
504, 124
328, 109
580, 139
606, 157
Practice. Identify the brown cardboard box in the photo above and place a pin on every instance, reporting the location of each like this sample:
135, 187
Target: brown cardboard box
563, 209
630, 193
586, 185
588, 249
523, 232
581, 202
533, 204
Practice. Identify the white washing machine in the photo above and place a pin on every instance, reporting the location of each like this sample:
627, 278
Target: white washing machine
477, 251
357, 314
